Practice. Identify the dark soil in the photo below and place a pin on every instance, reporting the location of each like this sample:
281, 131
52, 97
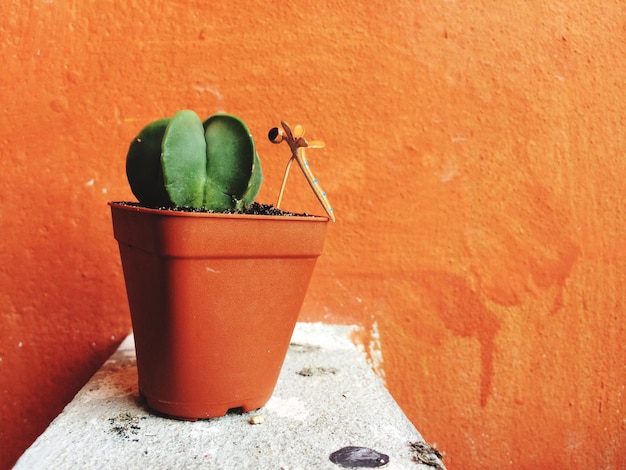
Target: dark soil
253, 209
126, 426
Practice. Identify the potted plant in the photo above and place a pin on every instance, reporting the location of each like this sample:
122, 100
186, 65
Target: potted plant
215, 282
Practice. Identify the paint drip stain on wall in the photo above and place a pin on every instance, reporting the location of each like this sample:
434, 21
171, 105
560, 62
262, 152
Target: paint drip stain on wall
518, 251
464, 314
523, 247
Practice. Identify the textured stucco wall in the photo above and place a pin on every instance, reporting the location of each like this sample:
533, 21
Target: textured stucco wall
476, 155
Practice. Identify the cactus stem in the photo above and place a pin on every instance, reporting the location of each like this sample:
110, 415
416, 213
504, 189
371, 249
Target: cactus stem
282, 186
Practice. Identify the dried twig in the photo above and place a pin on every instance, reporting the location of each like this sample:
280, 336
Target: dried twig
426, 454
297, 144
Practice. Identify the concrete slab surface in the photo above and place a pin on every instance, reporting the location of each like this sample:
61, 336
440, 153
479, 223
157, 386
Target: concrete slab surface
327, 399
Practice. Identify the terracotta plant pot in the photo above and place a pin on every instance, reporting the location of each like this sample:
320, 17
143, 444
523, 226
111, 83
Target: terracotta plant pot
214, 299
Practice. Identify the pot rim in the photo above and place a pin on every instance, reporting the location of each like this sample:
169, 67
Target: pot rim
135, 207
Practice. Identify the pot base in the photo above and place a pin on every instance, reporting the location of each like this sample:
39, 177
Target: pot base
194, 412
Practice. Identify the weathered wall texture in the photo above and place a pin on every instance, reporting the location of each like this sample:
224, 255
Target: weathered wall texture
476, 156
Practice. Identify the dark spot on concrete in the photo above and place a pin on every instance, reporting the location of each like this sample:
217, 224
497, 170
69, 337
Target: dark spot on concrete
311, 371
362, 457
126, 425
297, 347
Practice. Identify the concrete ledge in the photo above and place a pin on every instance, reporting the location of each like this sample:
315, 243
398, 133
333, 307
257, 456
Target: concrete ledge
327, 398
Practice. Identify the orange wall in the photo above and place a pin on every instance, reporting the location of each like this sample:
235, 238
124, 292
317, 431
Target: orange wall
476, 155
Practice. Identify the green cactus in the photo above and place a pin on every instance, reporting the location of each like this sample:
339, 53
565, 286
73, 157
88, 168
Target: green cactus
182, 161
143, 165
